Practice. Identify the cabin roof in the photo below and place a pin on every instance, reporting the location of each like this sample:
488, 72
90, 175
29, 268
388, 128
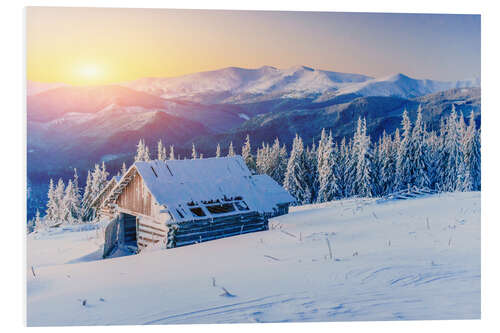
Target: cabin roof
111, 183
200, 182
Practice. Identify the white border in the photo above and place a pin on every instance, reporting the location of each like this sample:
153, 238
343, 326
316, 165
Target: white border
12, 298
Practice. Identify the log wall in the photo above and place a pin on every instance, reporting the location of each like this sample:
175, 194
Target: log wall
204, 230
136, 197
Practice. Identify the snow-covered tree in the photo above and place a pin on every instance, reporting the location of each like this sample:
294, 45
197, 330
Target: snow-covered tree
312, 174
388, 152
162, 151
361, 154
217, 151
296, 177
417, 154
327, 182
51, 211
471, 151
231, 150
377, 162
87, 194
123, 169
194, 154
342, 168
59, 201
71, 205
403, 162
38, 222
142, 153
452, 155
246, 153
172, 154
275, 161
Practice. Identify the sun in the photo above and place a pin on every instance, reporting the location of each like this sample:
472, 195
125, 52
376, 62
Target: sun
89, 73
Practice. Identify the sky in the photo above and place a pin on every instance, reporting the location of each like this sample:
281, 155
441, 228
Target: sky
88, 46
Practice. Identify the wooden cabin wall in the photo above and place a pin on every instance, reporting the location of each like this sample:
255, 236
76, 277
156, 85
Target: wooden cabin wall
136, 197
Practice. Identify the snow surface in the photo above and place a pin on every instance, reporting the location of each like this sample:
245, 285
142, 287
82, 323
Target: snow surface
413, 259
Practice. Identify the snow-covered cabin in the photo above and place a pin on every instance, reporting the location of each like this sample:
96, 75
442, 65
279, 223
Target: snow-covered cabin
179, 202
96, 204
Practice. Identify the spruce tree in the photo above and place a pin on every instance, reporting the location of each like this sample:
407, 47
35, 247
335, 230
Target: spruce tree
362, 184
452, 176
217, 151
51, 212
59, 201
417, 154
296, 176
123, 169
141, 151
246, 153
172, 154
230, 150
403, 162
327, 182
38, 222
194, 155
87, 195
472, 157
162, 151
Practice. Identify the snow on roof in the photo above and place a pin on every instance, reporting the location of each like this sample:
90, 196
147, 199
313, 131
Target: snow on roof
112, 182
175, 183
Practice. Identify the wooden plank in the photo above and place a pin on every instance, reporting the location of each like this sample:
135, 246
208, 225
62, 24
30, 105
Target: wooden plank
152, 224
149, 231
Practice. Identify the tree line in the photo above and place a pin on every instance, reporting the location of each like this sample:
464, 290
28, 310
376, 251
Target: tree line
445, 160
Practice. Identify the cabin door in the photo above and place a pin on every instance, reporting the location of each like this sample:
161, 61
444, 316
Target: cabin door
130, 229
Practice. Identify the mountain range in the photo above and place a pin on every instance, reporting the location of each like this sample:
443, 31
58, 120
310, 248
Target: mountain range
73, 126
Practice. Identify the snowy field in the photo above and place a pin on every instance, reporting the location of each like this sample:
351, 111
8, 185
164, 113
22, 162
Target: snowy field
399, 260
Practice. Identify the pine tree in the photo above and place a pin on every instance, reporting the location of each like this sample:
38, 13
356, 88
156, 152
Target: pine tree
231, 150
472, 157
59, 201
70, 206
403, 162
327, 182
141, 151
246, 153
51, 212
217, 151
264, 163
87, 195
274, 161
377, 163
312, 171
341, 168
123, 169
417, 154
77, 197
362, 184
37, 222
146, 154
172, 154
162, 151
194, 155
452, 177
281, 164
296, 174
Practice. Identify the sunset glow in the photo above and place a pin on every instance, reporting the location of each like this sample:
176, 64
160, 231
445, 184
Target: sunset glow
104, 45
